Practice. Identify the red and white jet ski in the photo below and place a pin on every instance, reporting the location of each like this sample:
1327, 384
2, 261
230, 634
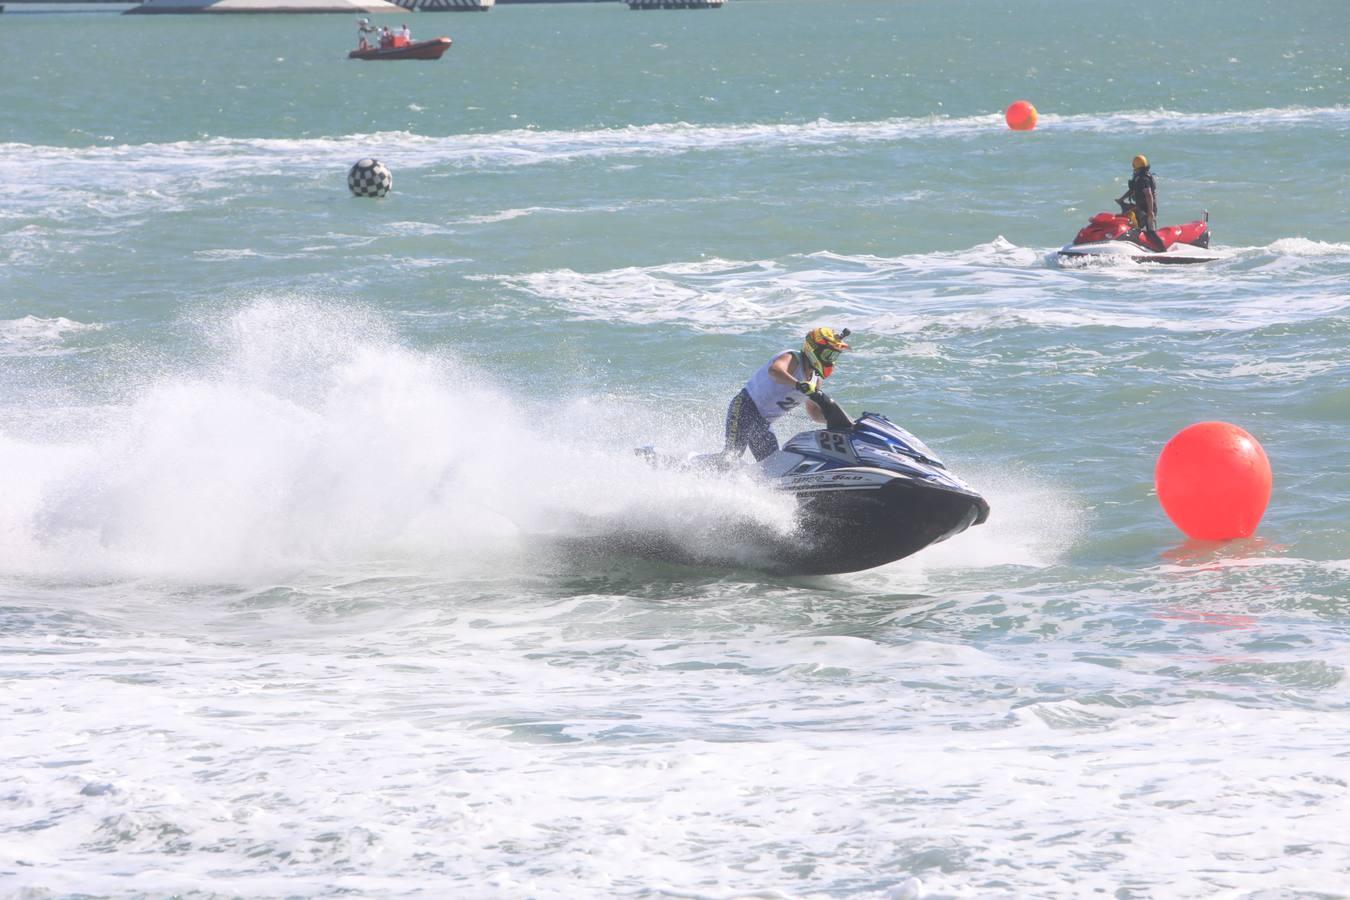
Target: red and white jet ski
1112, 235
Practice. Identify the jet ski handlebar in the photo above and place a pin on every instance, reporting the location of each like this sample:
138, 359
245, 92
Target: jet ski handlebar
835, 418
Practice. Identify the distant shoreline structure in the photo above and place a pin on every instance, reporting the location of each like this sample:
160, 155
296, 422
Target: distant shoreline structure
405, 5
238, 7
217, 7
676, 4
416, 4
243, 7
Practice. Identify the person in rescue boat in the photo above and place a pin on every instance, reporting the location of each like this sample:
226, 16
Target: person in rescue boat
363, 28
777, 388
1142, 197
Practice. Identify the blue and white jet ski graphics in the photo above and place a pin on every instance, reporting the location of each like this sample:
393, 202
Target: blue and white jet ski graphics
868, 493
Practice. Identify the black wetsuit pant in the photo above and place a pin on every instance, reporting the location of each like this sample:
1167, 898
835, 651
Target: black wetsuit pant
1148, 236
747, 428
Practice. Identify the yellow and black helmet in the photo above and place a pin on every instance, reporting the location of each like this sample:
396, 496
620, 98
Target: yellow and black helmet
1140, 162
822, 348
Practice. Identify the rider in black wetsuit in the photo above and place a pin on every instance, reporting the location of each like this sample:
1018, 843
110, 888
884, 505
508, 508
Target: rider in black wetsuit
1142, 196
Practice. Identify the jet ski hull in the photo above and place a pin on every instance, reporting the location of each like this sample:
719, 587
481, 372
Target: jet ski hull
1112, 236
848, 530
1120, 249
867, 493
836, 531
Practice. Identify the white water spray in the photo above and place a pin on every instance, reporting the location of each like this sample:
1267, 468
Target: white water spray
315, 437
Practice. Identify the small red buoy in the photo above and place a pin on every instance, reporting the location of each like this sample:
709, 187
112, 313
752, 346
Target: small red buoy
1021, 116
1213, 481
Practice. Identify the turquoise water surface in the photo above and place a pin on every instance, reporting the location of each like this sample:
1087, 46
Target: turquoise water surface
283, 471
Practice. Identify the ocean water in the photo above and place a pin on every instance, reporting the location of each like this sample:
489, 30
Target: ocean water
282, 471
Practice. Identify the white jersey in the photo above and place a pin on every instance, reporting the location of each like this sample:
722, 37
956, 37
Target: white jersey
772, 398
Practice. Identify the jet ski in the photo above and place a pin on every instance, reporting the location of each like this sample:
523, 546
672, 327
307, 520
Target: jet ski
868, 492
1113, 235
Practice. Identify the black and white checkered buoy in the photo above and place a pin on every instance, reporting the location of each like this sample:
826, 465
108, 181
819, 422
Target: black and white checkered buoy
369, 178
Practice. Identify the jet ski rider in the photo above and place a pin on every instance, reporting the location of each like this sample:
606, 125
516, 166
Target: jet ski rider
1141, 200
778, 387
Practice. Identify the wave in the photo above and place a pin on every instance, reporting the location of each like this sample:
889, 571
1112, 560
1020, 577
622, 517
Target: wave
532, 147
114, 185
507, 215
37, 336
1304, 247
990, 286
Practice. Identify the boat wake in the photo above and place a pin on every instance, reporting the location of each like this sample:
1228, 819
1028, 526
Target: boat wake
993, 285
306, 434
309, 435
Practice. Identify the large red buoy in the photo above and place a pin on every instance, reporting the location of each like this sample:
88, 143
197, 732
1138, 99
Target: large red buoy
1020, 116
1213, 481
